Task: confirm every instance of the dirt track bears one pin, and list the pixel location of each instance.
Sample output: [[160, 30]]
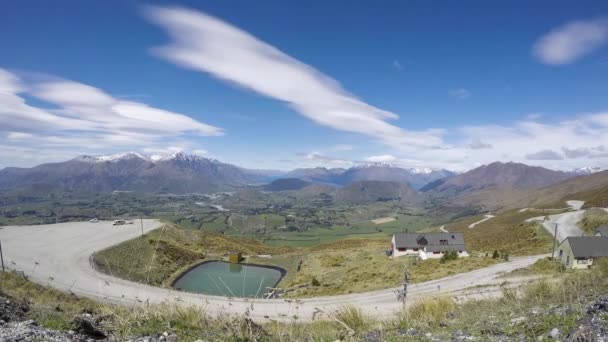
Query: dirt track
[[58, 255]]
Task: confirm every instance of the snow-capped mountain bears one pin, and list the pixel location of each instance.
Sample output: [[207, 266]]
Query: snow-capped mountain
[[134, 155], [175, 173], [587, 170]]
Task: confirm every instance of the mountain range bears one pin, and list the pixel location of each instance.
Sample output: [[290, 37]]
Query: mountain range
[[494, 185], [177, 173], [415, 177]]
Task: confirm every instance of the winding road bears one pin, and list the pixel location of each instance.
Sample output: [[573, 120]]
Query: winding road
[[567, 223], [58, 256]]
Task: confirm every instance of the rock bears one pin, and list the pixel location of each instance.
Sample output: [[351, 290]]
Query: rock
[[30, 331], [85, 325], [592, 328], [554, 333], [374, 336], [428, 335], [11, 310]]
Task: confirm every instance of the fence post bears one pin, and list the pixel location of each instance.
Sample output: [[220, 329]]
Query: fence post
[[1, 256]]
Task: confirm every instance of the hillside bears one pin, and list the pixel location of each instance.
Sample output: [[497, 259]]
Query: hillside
[[592, 188], [285, 184], [415, 177], [320, 175], [375, 191], [497, 175]]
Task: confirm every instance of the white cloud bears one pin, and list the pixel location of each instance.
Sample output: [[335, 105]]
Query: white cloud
[[571, 41], [204, 43], [316, 158], [384, 158], [461, 93], [81, 118], [477, 144]]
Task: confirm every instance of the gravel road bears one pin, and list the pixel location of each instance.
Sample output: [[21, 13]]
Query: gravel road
[[567, 223], [58, 255]]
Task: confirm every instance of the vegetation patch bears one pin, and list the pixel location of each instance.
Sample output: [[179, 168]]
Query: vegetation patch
[[507, 232], [592, 219], [544, 266]]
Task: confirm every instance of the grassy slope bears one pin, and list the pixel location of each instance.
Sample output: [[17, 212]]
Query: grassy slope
[[162, 254], [344, 266], [506, 232], [592, 219], [591, 188]]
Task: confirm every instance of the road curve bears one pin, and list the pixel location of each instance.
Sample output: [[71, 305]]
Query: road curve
[[58, 256]]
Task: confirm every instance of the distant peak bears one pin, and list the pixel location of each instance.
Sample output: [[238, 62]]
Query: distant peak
[[375, 164], [110, 157], [179, 156], [585, 170]]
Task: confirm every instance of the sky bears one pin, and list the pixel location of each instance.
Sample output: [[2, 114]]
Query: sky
[[286, 84]]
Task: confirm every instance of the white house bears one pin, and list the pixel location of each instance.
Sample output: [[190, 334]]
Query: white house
[[580, 251], [428, 245]]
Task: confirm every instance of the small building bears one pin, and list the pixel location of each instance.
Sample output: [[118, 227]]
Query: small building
[[579, 251], [235, 257], [427, 245], [602, 231]]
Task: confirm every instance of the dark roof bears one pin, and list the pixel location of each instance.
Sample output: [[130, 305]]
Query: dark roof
[[433, 241], [588, 246], [603, 230]]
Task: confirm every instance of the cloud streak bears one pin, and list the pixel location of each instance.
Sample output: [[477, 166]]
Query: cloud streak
[[569, 42], [82, 117], [203, 43]]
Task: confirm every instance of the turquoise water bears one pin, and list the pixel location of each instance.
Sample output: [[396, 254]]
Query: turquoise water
[[225, 279]]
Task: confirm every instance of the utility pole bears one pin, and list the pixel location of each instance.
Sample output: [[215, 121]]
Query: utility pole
[[554, 242], [1, 256], [406, 281]]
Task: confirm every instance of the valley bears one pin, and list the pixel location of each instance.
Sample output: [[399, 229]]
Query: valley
[[329, 241]]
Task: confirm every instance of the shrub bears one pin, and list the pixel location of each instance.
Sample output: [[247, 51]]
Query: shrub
[[495, 255], [430, 310], [352, 317], [448, 256], [592, 219], [315, 281]]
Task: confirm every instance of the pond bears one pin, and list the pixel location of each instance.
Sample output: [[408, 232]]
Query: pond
[[221, 278]]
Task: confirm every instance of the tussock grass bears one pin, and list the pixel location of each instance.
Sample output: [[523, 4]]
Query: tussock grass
[[429, 311], [545, 266], [353, 318], [592, 219], [507, 232]]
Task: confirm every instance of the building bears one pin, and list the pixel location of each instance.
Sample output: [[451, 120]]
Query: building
[[429, 245], [579, 251], [602, 231]]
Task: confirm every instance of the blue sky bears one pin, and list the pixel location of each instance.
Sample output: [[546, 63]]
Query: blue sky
[[281, 84]]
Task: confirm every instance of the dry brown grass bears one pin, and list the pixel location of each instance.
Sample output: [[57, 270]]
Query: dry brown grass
[[506, 232], [593, 218]]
